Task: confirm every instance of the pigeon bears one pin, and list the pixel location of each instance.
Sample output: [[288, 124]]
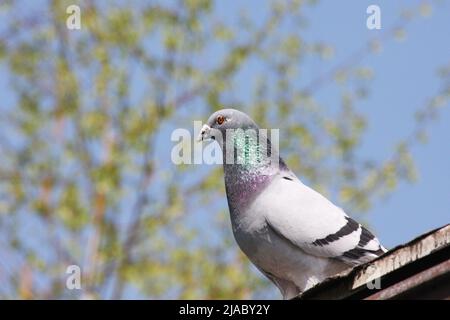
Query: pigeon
[[294, 235]]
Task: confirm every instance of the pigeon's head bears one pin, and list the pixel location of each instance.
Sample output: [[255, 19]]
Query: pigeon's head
[[225, 119]]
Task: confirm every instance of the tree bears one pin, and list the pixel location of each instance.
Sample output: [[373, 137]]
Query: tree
[[85, 139]]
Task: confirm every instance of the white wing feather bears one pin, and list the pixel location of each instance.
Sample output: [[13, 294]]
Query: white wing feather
[[303, 216]]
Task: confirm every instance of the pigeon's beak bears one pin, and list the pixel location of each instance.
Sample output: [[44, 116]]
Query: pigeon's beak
[[204, 133]]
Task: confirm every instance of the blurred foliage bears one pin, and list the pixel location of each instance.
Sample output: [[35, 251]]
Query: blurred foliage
[[83, 181]]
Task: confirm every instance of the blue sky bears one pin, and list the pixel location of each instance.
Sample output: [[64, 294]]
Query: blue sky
[[405, 77]]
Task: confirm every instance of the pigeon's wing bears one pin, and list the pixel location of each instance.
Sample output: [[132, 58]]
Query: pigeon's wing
[[309, 221]]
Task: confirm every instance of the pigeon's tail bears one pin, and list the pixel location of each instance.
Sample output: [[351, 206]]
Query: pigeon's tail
[[368, 248]]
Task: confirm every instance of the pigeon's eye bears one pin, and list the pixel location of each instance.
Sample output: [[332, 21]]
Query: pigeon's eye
[[220, 119]]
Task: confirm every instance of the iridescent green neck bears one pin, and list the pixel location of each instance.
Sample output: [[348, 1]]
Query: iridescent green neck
[[244, 149], [250, 166]]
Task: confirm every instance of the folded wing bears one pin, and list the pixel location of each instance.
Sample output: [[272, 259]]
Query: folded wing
[[311, 222]]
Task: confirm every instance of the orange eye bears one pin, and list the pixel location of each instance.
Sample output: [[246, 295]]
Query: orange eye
[[220, 119]]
